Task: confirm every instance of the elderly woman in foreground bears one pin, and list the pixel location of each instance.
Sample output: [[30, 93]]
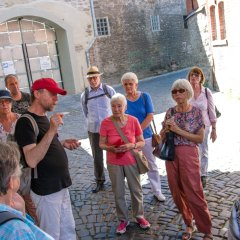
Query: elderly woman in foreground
[[183, 173], [10, 202], [121, 163], [139, 105]]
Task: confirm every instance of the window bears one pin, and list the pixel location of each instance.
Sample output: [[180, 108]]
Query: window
[[213, 23], [217, 19], [221, 20], [102, 26], [191, 5], [155, 23]]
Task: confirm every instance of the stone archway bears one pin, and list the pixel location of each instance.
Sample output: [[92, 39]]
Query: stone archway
[[64, 39]]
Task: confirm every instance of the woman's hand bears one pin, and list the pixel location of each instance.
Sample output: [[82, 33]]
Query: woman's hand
[[213, 134], [125, 147], [172, 125]]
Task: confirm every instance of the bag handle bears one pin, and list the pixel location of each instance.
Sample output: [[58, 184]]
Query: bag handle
[[122, 135], [154, 129]]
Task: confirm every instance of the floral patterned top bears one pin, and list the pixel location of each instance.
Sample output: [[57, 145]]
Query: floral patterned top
[[191, 121], [8, 136]]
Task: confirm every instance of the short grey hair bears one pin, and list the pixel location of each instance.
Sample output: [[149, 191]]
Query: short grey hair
[[9, 164], [128, 76], [185, 84], [119, 97]]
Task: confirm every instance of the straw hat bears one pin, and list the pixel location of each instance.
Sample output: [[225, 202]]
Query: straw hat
[[93, 72]]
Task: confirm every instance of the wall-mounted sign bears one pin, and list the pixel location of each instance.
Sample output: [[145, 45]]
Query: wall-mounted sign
[[45, 63], [8, 67]]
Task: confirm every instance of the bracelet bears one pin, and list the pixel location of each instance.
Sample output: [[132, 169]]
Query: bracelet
[[135, 146], [213, 128]]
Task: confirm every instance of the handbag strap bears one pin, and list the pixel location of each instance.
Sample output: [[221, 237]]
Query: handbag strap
[[122, 135], [124, 138], [154, 129]]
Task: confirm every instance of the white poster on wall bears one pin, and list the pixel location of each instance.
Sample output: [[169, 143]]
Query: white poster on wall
[[8, 67], [45, 63]]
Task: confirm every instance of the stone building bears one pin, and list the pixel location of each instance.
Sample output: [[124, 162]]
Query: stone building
[[223, 16], [147, 37], [215, 20], [60, 39]]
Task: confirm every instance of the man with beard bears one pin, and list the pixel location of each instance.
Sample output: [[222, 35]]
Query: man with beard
[[45, 153]]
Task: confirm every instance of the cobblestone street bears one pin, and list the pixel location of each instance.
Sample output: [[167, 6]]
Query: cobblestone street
[[95, 213]]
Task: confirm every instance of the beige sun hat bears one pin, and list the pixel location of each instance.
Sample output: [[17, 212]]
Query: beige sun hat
[[93, 72]]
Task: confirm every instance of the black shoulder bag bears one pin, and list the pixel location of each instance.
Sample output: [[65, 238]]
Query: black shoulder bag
[[168, 149]]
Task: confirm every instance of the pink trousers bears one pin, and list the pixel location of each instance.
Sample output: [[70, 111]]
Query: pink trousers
[[186, 188]]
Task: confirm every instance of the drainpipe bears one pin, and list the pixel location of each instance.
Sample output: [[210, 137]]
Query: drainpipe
[[94, 30]]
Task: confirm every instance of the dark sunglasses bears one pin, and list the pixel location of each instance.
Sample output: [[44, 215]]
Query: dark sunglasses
[[181, 90], [194, 75]]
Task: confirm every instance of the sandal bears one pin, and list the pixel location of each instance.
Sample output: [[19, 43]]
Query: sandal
[[208, 237], [187, 234]]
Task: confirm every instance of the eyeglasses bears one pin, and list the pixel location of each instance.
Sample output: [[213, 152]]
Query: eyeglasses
[[181, 90], [2, 101], [194, 75]]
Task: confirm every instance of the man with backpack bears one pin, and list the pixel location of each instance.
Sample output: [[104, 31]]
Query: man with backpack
[[45, 153], [95, 102]]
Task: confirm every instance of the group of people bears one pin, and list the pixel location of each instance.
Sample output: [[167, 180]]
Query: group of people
[[192, 119], [108, 113], [45, 153]]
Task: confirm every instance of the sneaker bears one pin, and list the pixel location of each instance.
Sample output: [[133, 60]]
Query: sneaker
[[122, 227], [143, 223], [160, 197]]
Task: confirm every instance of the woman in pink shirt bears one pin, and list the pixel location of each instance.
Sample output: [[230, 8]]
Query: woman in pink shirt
[[206, 105], [121, 163]]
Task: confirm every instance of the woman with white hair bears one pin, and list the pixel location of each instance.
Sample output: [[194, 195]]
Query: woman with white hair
[[121, 163], [139, 105], [183, 173]]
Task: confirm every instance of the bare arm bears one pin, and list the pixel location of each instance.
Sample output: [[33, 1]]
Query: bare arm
[[146, 122], [213, 134]]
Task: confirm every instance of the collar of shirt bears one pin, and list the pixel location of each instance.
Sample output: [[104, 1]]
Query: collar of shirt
[[92, 90]]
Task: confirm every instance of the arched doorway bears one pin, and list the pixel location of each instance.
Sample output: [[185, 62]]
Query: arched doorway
[[29, 49]]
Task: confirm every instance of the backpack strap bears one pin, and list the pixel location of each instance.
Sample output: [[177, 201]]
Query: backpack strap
[[105, 90], [33, 122], [154, 129], [36, 131], [86, 95], [6, 216]]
